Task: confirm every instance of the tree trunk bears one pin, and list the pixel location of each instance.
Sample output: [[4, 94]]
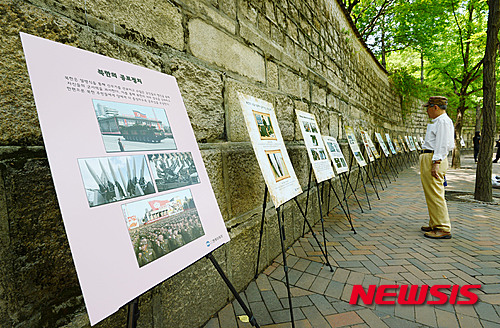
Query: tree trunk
[[455, 157], [479, 114], [483, 190]]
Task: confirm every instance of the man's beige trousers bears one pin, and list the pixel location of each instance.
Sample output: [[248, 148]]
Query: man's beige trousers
[[434, 193]]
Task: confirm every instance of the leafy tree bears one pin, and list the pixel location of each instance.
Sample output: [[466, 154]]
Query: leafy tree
[[483, 189]]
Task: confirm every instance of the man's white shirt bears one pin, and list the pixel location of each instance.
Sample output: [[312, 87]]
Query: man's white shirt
[[440, 137]]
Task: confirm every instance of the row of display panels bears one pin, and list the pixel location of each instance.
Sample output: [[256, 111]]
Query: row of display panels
[[129, 175]]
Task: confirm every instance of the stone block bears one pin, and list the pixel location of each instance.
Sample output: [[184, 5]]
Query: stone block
[[201, 91], [335, 124], [285, 112], [302, 106], [39, 282], [236, 126], [293, 84], [189, 298], [214, 46], [153, 20], [272, 75], [244, 182], [223, 17], [213, 163], [242, 251], [18, 120]]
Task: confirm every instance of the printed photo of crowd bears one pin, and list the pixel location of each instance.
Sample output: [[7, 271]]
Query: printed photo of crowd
[[168, 223], [173, 170]]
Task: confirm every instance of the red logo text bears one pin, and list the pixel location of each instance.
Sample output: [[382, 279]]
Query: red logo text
[[414, 294]]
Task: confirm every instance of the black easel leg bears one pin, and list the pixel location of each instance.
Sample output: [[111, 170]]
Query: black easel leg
[[285, 267], [307, 199], [133, 313], [322, 220], [360, 173], [348, 183], [325, 254], [348, 213], [261, 231], [249, 313], [371, 182]]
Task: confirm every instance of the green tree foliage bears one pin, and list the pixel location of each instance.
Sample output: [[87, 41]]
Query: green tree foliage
[[440, 41]]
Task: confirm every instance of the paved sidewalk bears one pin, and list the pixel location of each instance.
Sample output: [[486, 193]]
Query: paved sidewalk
[[389, 248]]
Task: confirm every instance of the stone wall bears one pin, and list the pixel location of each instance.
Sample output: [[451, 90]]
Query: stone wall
[[296, 54]]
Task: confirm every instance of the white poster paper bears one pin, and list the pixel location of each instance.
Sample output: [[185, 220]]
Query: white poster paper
[[270, 149], [411, 145], [382, 144], [321, 164], [371, 156], [389, 143], [336, 155], [367, 140], [403, 145], [105, 124], [353, 143], [396, 145], [417, 143]]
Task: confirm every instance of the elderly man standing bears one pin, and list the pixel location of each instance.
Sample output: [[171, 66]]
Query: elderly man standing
[[439, 140]]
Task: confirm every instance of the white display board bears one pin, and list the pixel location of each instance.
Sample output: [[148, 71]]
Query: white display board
[[321, 164], [336, 155], [133, 191], [396, 145], [353, 143], [367, 141], [270, 149], [417, 143], [371, 156], [411, 144], [382, 144], [389, 143]]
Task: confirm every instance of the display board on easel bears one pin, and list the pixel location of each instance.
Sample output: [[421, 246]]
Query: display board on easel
[[311, 134], [132, 187], [389, 143], [336, 154], [382, 144], [270, 149], [353, 144]]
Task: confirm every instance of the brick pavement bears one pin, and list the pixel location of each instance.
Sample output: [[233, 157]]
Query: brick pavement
[[389, 248]]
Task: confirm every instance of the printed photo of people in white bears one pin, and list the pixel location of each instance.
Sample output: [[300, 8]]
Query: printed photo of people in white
[[173, 170], [160, 225], [277, 163], [128, 127], [111, 179]]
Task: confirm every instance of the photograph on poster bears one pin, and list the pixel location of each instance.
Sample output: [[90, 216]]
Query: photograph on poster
[[389, 143], [336, 154], [411, 144], [339, 162], [403, 144], [382, 144], [417, 144], [264, 126], [112, 179], [396, 145], [314, 140], [278, 165], [359, 157], [318, 154], [160, 225], [173, 170], [128, 127]]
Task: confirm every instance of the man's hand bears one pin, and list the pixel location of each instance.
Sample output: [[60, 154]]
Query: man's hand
[[434, 170]]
